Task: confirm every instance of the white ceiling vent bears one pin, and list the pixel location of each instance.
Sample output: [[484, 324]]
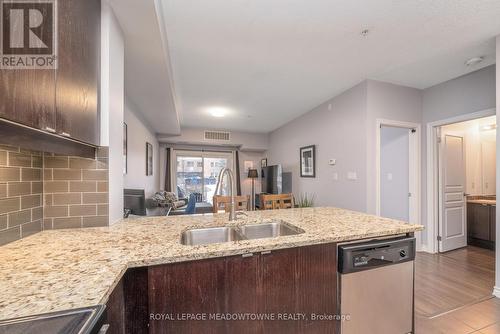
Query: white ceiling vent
[[217, 135]]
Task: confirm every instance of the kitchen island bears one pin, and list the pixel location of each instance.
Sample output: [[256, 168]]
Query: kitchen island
[[65, 269]]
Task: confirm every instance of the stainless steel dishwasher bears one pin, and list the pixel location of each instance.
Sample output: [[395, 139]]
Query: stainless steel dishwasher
[[376, 286]]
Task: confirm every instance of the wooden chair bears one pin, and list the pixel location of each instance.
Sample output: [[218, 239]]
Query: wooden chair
[[224, 202], [273, 202]]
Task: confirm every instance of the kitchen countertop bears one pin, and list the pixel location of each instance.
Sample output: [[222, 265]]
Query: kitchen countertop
[[63, 269], [482, 201]]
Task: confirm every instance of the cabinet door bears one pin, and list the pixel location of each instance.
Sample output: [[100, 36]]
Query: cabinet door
[[77, 85], [302, 281], [27, 97], [493, 222], [471, 213], [208, 287], [480, 229]]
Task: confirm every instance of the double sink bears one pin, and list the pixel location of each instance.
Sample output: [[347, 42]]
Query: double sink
[[212, 235]]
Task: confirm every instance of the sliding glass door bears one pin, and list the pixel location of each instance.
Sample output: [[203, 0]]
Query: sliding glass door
[[197, 172]]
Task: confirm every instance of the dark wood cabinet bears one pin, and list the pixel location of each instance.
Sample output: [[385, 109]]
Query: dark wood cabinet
[[300, 281], [63, 100], [77, 79], [127, 306], [481, 225], [275, 285], [28, 97]]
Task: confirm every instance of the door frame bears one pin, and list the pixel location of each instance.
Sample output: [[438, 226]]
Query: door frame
[[415, 172], [433, 173]]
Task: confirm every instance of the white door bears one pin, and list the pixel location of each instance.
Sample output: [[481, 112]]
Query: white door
[[452, 224], [395, 173]]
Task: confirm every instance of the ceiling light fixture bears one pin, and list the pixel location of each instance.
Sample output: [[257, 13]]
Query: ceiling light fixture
[[218, 111], [474, 61]]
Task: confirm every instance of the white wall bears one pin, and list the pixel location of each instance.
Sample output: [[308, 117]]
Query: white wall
[[394, 173], [461, 96], [347, 133], [246, 183], [244, 140], [338, 129], [496, 290], [390, 102], [112, 100], [138, 134]]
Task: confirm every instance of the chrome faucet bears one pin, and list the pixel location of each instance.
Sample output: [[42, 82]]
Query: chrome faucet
[[232, 213]]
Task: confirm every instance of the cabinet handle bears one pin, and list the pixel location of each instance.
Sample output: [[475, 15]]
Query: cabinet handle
[[247, 255], [49, 129], [65, 134], [265, 252], [104, 329]]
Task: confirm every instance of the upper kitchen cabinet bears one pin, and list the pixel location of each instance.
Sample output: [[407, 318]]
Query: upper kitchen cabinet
[[28, 97], [62, 100], [78, 73], [27, 93]]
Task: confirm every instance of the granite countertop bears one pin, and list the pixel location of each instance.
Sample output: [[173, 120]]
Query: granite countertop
[[482, 201], [64, 269]]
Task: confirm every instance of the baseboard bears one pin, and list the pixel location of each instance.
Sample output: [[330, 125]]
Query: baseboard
[[424, 248], [496, 291]]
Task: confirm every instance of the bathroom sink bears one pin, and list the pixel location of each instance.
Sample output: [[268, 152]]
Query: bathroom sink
[[210, 235], [272, 229]]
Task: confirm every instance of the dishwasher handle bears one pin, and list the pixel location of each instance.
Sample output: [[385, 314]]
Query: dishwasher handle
[[373, 254]]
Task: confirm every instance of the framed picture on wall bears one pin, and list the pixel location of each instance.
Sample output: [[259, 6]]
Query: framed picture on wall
[[263, 163], [149, 159], [125, 147], [308, 161]]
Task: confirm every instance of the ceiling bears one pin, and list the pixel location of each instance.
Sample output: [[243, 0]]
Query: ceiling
[[268, 62], [474, 124]]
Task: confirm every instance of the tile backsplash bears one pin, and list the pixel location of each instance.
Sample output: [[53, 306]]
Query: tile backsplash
[[21, 187], [75, 191], [47, 191]]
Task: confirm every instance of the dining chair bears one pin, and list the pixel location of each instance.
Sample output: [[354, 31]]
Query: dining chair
[[273, 202], [224, 203]]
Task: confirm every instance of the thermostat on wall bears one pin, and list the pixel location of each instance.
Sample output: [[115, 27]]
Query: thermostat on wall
[[332, 162]]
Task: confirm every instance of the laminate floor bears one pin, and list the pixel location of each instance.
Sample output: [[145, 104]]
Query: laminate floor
[[453, 292]]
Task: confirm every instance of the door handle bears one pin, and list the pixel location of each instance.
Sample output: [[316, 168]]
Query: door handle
[[65, 134], [49, 129]]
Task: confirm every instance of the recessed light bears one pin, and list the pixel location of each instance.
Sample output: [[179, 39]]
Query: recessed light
[[217, 111], [474, 61]]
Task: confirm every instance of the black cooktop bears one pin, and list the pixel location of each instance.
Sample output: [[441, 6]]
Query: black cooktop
[[77, 321]]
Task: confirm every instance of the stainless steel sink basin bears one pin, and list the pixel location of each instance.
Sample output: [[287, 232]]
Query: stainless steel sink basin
[[211, 235], [269, 230]]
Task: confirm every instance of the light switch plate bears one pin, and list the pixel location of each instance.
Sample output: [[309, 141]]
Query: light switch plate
[[389, 176], [352, 176], [332, 162], [335, 176]]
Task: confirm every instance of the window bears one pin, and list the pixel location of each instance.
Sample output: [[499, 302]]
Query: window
[[197, 172]]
